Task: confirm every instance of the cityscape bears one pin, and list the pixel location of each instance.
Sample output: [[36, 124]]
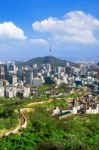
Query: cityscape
[[49, 75]]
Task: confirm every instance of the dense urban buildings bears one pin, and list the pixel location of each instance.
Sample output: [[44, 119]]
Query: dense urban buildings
[[19, 81]]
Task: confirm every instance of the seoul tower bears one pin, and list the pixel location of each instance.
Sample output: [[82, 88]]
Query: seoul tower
[[50, 51]]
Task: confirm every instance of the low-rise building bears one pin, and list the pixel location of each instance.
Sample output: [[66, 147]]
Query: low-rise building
[[10, 92], [23, 92], [37, 82]]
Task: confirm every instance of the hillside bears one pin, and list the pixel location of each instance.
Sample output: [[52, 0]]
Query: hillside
[[48, 59]]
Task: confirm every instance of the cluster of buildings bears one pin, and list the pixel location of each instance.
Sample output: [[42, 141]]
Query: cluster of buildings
[[18, 81], [85, 105]]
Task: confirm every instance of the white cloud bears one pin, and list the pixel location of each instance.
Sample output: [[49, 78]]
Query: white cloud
[[74, 27], [11, 31], [39, 42]]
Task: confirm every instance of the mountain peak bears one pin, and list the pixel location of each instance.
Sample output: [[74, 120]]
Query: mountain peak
[[54, 61]]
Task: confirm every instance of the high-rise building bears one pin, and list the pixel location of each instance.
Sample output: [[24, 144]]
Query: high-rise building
[[14, 79], [2, 74], [20, 74], [83, 70], [29, 76]]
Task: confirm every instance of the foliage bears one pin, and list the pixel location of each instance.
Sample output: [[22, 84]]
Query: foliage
[[45, 132], [8, 116], [55, 62]]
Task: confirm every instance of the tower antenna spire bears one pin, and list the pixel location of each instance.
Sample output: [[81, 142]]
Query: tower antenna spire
[[50, 50]]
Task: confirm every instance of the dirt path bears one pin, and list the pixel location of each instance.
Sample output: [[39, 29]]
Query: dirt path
[[22, 121], [22, 118], [38, 103]]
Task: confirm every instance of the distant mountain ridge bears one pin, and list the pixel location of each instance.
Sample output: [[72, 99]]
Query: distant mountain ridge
[[54, 61]]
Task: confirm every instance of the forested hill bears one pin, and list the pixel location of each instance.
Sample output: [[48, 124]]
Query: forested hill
[[54, 61]]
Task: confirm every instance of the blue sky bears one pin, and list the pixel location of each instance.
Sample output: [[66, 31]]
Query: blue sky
[[29, 27]]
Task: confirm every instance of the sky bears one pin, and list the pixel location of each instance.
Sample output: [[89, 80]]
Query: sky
[[29, 28]]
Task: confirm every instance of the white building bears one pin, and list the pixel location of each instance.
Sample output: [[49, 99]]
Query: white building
[[14, 79], [1, 91], [23, 92], [93, 111], [10, 92], [65, 79], [56, 111], [26, 92]]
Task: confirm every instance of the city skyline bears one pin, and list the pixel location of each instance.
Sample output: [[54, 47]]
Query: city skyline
[[28, 29]]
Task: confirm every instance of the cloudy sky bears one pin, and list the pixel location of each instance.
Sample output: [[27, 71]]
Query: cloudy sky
[[29, 28]]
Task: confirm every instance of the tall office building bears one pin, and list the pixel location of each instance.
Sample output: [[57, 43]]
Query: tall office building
[[29, 76], [20, 74], [12, 79], [10, 68]]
